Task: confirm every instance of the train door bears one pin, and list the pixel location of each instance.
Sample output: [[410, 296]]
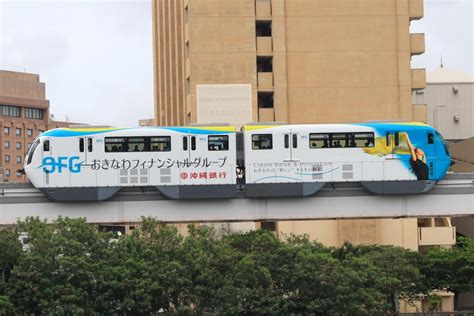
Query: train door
[[394, 169], [188, 169], [54, 167], [430, 154], [218, 159], [289, 171], [80, 164], [290, 147]]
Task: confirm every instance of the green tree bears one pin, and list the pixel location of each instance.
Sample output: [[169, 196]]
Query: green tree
[[10, 252], [56, 274], [450, 269]]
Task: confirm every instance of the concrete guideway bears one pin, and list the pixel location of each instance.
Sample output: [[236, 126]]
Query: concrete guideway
[[454, 196]]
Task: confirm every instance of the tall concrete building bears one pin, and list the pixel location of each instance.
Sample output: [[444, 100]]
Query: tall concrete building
[[297, 61], [305, 61], [24, 114]]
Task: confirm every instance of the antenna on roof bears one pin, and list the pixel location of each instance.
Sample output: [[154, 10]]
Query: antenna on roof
[[441, 62]]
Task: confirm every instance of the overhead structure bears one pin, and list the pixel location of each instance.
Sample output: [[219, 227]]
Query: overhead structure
[[453, 196]]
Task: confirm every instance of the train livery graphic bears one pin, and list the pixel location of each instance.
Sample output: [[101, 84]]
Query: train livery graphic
[[90, 164]]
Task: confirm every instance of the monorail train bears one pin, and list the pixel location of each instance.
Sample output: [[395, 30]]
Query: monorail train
[[91, 164]]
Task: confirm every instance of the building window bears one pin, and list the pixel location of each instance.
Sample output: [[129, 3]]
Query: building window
[[41, 131], [29, 132], [18, 174], [6, 144], [262, 141], [34, 113], [10, 110], [264, 64], [265, 100], [263, 28], [188, 86], [18, 131], [7, 158], [18, 159], [18, 145], [7, 173], [218, 142], [186, 14], [28, 146], [271, 226], [6, 131], [186, 50]]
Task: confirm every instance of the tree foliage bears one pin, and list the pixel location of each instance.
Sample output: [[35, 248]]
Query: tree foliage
[[68, 267]]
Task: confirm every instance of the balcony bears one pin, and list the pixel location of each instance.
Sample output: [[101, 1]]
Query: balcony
[[419, 112], [264, 45], [265, 81], [418, 79], [432, 236], [417, 43], [263, 9], [266, 115], [415, 9]]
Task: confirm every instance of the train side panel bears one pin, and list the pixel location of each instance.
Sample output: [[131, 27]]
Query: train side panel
[[79, 159], [377, 155]]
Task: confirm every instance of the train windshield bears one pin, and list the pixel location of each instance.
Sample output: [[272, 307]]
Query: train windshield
[[32, 150], [445, 143]]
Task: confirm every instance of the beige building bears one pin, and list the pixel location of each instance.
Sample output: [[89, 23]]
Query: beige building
[[24, 113], [307, 61]]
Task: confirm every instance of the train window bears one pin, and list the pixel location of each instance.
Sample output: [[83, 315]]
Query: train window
[[81, 145], [32, 150], [287, 141], [89, 144], [341, 140], [193, 142], [397, 138], [364, 139], [337, 140], [136, 144], [262, 141], [160, 143], [430, 138], [295, 140], [217, 142], [185, 143], [388, 139], [114, 144], [318, 141], [46, 145]]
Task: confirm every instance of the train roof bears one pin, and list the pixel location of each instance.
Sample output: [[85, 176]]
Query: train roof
[[343, 127]]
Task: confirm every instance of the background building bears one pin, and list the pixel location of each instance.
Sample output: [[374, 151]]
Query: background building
[[449, 97], [24, 113], [307, 61]]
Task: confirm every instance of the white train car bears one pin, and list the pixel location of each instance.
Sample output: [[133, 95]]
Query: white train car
[[79, 164], [297, 160], [84, 164]]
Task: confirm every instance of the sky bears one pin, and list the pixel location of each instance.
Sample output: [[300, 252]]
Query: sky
[[96, 58]]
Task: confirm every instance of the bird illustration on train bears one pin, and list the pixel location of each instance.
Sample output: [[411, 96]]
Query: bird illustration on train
[[205, 162]]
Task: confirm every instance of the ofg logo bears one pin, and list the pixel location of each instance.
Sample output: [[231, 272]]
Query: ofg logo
[[51, 165]]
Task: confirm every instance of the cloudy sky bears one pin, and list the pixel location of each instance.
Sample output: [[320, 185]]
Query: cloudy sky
[[95, 56]]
